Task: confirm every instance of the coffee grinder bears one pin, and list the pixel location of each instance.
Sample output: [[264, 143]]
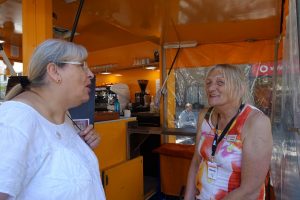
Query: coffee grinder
[[142, 99]]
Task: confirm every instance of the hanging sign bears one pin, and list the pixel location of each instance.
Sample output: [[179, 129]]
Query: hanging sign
[[265, 69]]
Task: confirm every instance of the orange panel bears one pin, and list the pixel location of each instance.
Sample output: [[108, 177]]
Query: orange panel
[[43, 15], [175, 160], [125, 181], [37, 26], [105, 24], [112, 149], [232, 31], [174, 173], [123, 56], [232, 53]]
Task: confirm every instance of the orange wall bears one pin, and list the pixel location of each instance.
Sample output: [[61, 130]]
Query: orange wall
[[37, 26], [130, 78], [123, 56], [231, 53], [6, 48]]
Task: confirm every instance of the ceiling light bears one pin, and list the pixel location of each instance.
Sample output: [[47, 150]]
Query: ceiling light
[[102, 69], [105, 72], [2, 41], [118, 75], [150, 67]]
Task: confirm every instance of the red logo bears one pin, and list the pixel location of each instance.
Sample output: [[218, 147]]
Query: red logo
[[265, 69]]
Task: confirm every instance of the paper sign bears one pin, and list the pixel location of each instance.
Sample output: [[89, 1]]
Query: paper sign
[[81, 123]]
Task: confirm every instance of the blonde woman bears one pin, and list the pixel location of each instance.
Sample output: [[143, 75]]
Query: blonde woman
[[233, 144], [43, 156]]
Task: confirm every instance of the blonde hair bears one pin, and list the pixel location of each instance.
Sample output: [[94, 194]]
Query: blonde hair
[[50, 51], [236, 82]]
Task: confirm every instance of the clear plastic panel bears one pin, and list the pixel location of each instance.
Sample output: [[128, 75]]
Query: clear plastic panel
[[189, 89], [286, 150]]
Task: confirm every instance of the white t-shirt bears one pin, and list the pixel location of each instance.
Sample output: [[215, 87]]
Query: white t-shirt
[[40, 160]]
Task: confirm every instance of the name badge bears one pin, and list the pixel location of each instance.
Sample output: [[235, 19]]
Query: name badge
[[212, 170], [231, 138]]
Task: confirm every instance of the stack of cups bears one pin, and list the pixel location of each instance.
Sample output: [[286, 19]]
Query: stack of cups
[[127, 113]]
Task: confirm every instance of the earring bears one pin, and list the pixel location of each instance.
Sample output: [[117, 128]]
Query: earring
[[58, 81]]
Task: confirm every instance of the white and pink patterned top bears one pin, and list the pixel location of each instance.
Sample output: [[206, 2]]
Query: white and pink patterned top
[[228, 158]]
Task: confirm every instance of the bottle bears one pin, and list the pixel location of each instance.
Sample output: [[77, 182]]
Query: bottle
[[117, 105], [129, 106], [152, 105]]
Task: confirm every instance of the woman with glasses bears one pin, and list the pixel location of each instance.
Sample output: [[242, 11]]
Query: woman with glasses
[[233, 144], [43, 156]]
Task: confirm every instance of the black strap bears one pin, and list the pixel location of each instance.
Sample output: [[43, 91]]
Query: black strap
[[74, 123], [207, 114], [217, 139]]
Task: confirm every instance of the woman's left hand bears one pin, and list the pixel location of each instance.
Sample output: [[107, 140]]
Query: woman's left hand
[[90, 136]]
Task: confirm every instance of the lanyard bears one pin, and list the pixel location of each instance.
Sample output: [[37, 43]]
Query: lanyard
[[217, 139]]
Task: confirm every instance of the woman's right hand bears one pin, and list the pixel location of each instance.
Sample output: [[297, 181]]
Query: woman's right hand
[[90, 136]]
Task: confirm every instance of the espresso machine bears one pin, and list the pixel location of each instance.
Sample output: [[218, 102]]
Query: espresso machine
[[104, 98], [142, 99]]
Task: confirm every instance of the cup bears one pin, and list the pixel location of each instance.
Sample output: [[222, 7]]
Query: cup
[[127, 113]]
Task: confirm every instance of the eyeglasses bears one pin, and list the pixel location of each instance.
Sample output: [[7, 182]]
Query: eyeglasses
[[83, 64]]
